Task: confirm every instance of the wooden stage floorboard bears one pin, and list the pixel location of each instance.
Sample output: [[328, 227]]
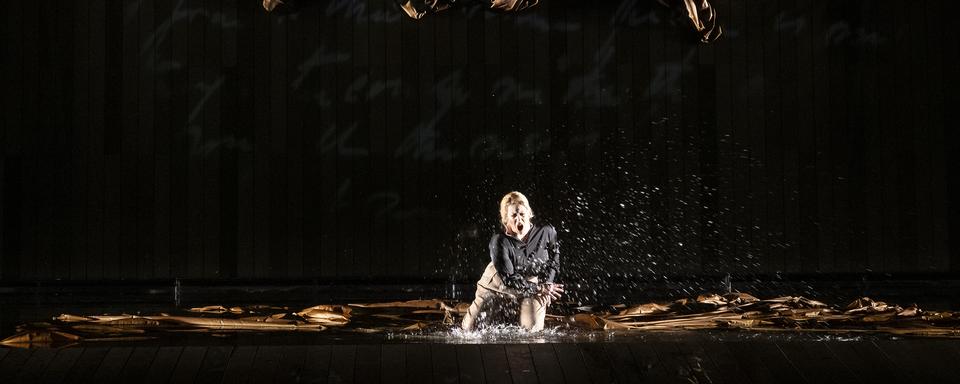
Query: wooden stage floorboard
[[689, 358]]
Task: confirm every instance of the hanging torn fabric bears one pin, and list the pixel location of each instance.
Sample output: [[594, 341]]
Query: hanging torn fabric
[[417, 9], [703, 18], [701, 14]]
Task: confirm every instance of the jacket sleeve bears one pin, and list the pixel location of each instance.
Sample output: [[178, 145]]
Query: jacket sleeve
[[553, 255], [501, 260]]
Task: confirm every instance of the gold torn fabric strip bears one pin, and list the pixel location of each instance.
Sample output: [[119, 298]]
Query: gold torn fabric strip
[[704, 19], [417, 9], [740, 311]]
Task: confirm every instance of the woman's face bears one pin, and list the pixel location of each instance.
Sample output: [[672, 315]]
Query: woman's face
[[518, 220]]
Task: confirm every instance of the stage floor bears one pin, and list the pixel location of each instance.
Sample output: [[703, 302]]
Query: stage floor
[[686, 356], [656, 357]]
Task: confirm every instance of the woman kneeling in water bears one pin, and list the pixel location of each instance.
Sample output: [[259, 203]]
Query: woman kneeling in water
[[524, 260]]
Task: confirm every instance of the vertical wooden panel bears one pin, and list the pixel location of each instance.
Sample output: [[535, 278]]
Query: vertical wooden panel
[[773, 134], [907, 131], [888, 127], [146, 190], [872, 182], [293, 211], [330, 240], [759, 212], [81, 143], [161, 38], [936, 34], [277, 157], [10, 180], [180, 213], [246, 59], [675, 178], [424, 181], [261, 138], [449, 85], [642, 126], [358, 150], [95, 209], [29, 258], [692, 150], [823, 101], [923, 89], [727, 245], [386, 206], [806, 17], [658, 76], [308, 81], [379, 124], [475, 141], [231, 142], [840, 143], [211, 141], [950, 136], [343, 125], [193, 140], [792, 122], [45, 146], [127, 163], [112, 81], [407, 145], [278, 161], [746, 253]]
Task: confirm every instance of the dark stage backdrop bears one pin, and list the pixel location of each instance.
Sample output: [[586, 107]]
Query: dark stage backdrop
[[339, 140]]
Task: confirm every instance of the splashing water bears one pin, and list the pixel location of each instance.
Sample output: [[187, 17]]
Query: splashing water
[[501, 334]]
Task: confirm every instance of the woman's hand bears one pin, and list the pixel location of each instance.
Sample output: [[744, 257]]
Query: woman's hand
[[548, 292]]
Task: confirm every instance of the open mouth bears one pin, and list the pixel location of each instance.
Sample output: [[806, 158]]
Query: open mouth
[[520, 227]]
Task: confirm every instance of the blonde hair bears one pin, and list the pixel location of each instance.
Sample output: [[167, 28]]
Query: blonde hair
[[513, 198]]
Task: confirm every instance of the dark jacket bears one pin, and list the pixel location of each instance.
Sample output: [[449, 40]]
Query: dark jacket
[[517, 260]]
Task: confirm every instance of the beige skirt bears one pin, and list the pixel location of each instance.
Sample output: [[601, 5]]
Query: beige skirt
[[532, 311]]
